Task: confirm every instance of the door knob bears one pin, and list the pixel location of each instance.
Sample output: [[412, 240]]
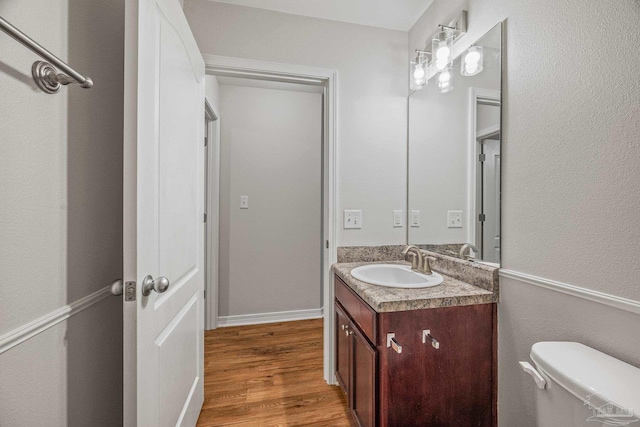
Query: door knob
[[159, 285], [117, 287]]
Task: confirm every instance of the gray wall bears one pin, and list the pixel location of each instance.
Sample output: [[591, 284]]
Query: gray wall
[[570, 175], [61, 216], [271, 151], [372, 76]]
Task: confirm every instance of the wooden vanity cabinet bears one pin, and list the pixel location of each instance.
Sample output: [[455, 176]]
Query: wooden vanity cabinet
[[452, 385]]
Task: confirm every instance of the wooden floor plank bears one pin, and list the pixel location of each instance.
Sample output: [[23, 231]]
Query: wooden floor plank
[[269, 375]]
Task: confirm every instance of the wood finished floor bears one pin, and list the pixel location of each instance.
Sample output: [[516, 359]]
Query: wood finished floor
[[269, 375]]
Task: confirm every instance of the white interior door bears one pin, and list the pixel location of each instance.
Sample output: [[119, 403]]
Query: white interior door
[[163, 217]]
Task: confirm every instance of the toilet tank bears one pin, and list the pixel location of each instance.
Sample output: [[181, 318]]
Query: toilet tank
[[581, 387]]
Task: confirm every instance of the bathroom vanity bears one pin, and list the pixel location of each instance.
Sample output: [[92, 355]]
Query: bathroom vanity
[[418, 357]]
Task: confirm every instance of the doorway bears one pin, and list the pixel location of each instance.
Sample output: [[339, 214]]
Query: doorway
[[488, 194], [484, 191], [326, 81]]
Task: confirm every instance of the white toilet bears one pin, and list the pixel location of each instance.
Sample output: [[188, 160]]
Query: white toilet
[[580, 387]]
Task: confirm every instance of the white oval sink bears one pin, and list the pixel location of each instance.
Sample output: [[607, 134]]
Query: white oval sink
[[395, 276]]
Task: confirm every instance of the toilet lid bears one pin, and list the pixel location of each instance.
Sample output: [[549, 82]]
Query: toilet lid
[[593, 377]]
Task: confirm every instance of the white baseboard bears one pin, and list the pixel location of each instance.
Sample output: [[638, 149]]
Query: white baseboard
[[584, 293], [260, 318], [33, 328]]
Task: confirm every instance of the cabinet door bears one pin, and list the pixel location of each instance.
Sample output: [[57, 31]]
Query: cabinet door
[[343, 351], [363, 380], [444, 387]]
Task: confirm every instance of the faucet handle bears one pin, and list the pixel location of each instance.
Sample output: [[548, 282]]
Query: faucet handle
[[426, 255], [428, 259]]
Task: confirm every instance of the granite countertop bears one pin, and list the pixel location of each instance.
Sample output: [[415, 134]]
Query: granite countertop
[[452, 292]]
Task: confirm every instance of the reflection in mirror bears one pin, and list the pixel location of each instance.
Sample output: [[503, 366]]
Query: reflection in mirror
[[454, 157]]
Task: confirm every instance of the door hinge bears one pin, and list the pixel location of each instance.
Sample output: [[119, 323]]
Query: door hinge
[[205, 217], [481, 217], [327, 244], [482, 157], [130, 291], [205, 294], [206, 141]]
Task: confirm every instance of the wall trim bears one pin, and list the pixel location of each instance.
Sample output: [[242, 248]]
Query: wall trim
[[621, 303], [260, 318], [41, 324]]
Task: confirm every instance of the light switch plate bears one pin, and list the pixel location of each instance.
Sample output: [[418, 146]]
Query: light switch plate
[[244, 202], [397, 218], [352, 219], [454, 219], [415, 218]]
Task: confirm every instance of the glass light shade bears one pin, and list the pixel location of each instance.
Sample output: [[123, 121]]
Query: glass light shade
[[472, 61], [418, 72], [442, 48], [444, 82]]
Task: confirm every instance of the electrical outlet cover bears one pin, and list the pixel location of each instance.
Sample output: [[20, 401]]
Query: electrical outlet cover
[[397, 218], [415, 218]]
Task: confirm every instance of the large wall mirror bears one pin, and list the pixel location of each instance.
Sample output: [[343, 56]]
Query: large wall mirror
[[454, 149]]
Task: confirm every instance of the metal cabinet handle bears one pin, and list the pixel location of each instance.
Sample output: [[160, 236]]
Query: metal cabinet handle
[[391, 342], [117, 287], [160, 285], [426, 336]]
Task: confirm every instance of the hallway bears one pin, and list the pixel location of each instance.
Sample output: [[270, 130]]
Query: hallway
[[269, 375]]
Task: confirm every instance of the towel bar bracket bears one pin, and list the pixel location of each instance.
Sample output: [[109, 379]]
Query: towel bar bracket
[[44, 73], [49, 80]]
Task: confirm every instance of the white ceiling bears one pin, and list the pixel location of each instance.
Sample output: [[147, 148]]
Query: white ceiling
[[391, 14]]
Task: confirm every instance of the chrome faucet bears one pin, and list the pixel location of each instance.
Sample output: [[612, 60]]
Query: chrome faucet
[[416, 256], [463, 251], [419, 259]]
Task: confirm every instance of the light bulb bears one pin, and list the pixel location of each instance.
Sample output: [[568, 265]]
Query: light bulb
[[443, 53], [418, 73], [444, 77], [471, 67], [472, 57], [472, 61], [445, 82]]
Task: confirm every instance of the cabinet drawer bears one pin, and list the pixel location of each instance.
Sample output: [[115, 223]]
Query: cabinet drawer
[[363, 315]]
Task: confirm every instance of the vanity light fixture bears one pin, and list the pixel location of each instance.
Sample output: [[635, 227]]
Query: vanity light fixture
[[471, 63], [445, 82], [421, 70], [419, 67]]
